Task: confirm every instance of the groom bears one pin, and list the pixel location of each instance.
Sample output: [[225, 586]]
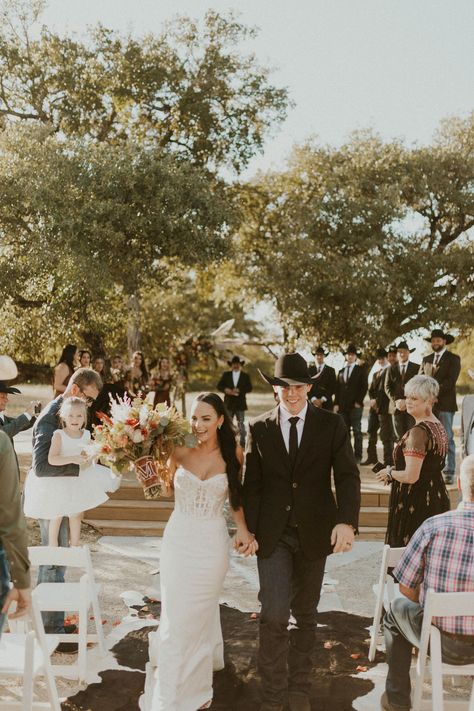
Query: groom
[[290, 507]]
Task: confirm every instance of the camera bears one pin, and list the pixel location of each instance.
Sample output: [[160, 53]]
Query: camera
[[378, 467], [37, 407]]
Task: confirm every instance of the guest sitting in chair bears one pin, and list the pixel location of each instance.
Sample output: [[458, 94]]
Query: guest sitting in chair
[[440, 556]]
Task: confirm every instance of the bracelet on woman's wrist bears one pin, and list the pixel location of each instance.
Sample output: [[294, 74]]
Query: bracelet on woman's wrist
[[389, 475]]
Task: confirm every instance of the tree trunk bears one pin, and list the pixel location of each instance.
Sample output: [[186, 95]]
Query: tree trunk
[[133, 330]]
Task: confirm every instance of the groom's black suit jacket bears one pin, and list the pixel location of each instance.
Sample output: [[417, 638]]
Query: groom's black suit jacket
[[271, 488]]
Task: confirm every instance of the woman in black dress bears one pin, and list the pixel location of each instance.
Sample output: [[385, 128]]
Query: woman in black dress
[[418, 488]]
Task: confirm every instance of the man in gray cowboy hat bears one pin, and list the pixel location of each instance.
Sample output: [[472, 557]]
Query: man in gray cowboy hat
[[235, 384], [14, 563], [444, 367], [350, 393], [297, 520], [322, 392], [397, 377]]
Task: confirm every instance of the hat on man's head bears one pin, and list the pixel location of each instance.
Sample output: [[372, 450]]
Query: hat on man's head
[[4, 388], [403, 345], [439, 333], [351, 349], [392, 348], [381, 353], [290, 369], [320, 351], [235, 359], [8, 369]]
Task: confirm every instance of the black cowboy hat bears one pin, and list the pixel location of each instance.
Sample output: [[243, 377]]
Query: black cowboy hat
[[320, 351], [290, 369], [392, 348], [4, 388], [439, 333], [404, 345], [351, 349], [235, 359], [381, 353]]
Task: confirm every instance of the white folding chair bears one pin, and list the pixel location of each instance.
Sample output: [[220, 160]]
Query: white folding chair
[[458, 604], [385, 591], [71, 597], [27, 655]]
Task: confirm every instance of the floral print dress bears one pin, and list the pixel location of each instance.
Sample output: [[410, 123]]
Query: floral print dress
[[411, 504]]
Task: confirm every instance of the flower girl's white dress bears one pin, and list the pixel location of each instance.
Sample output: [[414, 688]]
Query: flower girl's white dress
[[53, 496], [193, 563]]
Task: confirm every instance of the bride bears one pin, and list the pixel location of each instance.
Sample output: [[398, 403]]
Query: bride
[[195, 558]]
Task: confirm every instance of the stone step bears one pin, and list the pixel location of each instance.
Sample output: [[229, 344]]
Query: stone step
[[373, 516], [127, 527], [371, 533], [136, 510]]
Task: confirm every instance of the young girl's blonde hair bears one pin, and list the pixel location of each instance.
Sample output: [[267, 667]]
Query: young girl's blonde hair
[[67, 406]]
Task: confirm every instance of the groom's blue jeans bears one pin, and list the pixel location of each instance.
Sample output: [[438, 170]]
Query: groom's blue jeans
[[290, 584]]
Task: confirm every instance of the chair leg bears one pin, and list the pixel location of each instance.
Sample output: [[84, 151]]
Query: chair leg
[[375, 626], [82, 642], [98, 621], [436, 670], [28, 681]]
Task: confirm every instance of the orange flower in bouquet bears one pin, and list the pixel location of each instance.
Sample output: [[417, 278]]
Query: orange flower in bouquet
[[138, 436]]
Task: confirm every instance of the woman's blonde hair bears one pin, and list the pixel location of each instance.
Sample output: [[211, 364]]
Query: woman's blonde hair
[[423, 386], [67, 406]]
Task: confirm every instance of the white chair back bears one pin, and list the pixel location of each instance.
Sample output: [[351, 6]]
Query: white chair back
[[72, 557], [385, 591]]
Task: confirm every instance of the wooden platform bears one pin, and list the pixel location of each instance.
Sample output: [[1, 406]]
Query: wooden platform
[[127, 513]]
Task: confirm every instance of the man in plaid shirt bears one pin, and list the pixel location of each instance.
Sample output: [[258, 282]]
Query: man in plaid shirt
[[439, 556]]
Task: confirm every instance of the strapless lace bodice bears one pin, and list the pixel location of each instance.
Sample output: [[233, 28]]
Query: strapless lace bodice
[[197, 498]]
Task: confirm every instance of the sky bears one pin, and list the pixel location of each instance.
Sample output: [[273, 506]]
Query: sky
[[396, 66]]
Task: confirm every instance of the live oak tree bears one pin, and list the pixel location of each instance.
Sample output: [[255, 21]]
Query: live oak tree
[[365, 242]]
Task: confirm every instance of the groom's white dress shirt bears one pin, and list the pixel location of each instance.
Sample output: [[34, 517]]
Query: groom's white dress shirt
[[285, 424]]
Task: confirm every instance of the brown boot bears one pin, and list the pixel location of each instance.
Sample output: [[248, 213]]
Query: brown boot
[[298, 701]]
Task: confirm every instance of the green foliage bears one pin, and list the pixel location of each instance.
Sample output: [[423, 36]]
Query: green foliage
[[365, 242], [189, 90]]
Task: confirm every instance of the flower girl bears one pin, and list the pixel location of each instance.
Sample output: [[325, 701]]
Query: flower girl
[[57, 496]]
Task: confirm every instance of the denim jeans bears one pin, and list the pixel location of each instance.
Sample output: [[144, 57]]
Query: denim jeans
[[4, 584], [353, 420], [290, 588], [402, 632], [446, 419], [240, 417], [53, 621], [372, 430]]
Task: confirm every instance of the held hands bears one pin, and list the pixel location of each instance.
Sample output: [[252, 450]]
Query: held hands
[[383, 476], [342, 538], [245, 543]]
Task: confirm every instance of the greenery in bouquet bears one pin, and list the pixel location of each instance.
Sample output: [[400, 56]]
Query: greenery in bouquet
[[135, 429]]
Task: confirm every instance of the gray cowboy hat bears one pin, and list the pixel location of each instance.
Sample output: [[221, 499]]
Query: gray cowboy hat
[[290, 369]]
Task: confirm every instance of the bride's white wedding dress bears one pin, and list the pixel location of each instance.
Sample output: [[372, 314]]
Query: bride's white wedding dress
[[194, 560]]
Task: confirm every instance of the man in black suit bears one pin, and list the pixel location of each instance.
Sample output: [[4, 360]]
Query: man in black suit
[[290, 507], [324, 377], [13, 425], [235, 384], [350, 393], [395, 381], [444, 367], [387, 433], [374, 421]]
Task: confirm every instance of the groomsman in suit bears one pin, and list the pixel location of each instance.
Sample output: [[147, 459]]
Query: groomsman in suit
[[235, 384], [325, 381], [374, 411], [397, 377], [444, 367], [290, 507], [350, 393], [387, 434]]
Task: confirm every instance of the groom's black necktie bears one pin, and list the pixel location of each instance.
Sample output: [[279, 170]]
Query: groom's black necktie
[[293, 443]]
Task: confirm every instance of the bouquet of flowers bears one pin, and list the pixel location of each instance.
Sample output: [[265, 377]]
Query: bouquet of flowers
[[138, 436]]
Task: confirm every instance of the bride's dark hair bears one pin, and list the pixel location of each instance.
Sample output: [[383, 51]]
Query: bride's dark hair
[[226, 437]]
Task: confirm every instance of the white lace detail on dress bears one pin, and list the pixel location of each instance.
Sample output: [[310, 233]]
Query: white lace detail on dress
[[197, 498]]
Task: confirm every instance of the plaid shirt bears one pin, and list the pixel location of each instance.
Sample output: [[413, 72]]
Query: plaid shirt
[[440, 556]]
